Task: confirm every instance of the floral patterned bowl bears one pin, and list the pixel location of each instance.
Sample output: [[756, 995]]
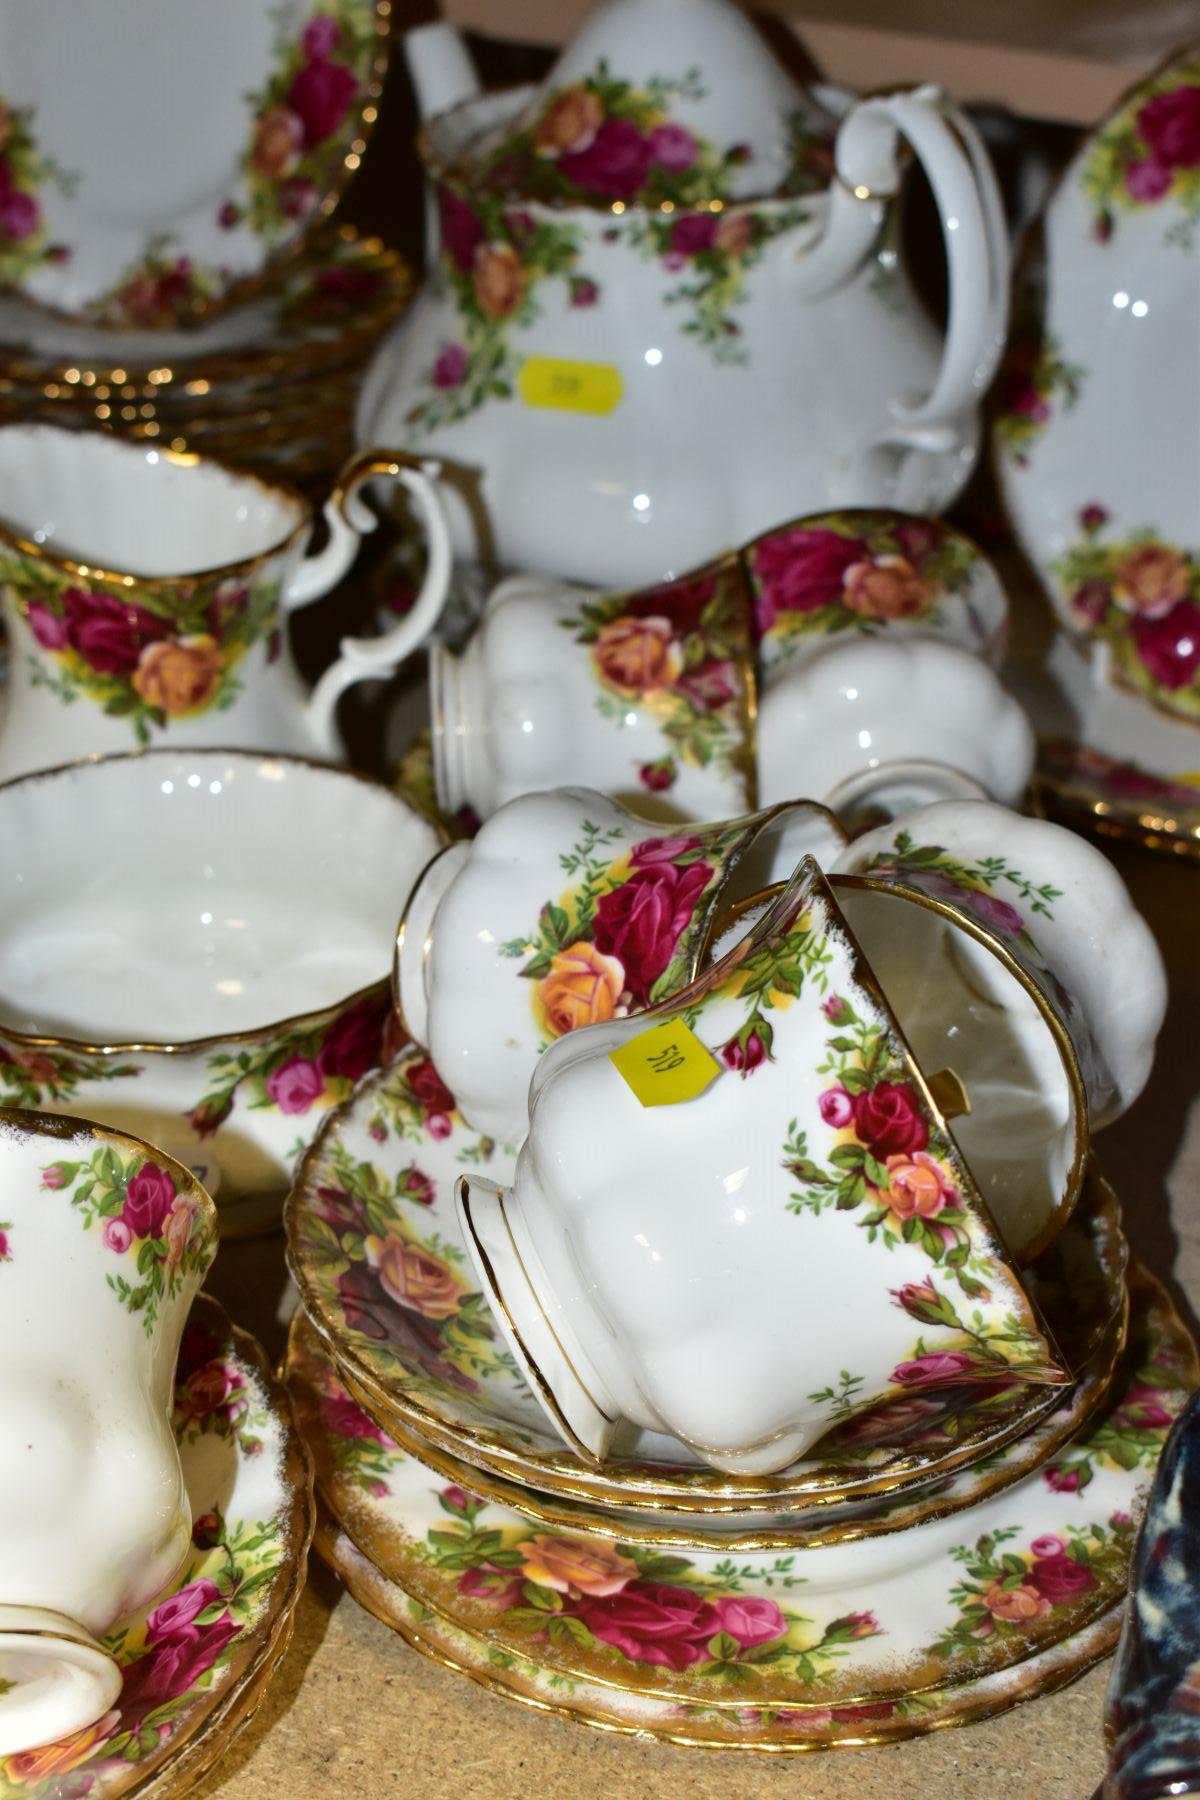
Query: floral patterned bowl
[[564, 911], [102, 1229], [195, 947], [651, 1257]]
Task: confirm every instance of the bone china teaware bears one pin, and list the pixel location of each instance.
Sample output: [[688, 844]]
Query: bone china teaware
[[565, 910], [146, 594], [195, 945], [644, 1264], [1104, 508], [667, 249], [104, 1244]]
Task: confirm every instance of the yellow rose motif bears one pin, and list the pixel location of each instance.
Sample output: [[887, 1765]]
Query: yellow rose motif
[[278, 138], [569, 123], [573, 1566], [180, 677], [582, 988], [414, 1278], [32, 1766], [638, 655], [498, 279], [1151, 580], [886, 587]]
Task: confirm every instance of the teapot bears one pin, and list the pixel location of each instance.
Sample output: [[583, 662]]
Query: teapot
[[667, 248]]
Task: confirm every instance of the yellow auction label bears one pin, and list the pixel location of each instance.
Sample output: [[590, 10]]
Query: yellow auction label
[[585, 387], [666, 1064]]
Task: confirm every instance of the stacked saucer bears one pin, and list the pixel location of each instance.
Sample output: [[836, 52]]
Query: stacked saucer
[[925, 1564], [269, 383]]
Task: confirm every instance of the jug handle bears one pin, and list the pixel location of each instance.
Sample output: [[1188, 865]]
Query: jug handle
[[965, 190], [348, 519]]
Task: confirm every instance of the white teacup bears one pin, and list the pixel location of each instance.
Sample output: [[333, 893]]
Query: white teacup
[[566, 910], [889, 722], [103, 1244], [146, 595], [194, 945], [788, 1240]]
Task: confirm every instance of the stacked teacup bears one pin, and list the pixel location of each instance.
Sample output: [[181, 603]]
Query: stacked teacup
[[715, 1323], [156, 1501]]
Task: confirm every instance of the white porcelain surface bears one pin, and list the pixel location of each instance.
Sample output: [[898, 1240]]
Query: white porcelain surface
[[1098, 443], [851, 707], [85, 1431], [230, 905], [190, 88], [146, 594], [650, 1262], [524, 707], [479, 918], [1060, 903], [818, 361]]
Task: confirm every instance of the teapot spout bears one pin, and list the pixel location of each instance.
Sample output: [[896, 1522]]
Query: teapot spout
[[441, 70]]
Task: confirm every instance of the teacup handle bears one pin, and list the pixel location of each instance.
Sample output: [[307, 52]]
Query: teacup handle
[[348, 519], [972, 216]]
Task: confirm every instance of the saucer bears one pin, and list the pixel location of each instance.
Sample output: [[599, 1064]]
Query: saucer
[[1090, 1260], [879, 1619], [762, 1730], [375, 1247], [196, 1662], [240, 125]]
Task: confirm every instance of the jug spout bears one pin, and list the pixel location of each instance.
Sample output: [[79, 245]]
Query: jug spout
[[441, 70]]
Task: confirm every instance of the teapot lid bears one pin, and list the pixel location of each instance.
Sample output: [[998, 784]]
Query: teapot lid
[[662, 103]]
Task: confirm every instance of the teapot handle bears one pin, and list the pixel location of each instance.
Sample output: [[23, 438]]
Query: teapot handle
[[348, 517], [964, 186]]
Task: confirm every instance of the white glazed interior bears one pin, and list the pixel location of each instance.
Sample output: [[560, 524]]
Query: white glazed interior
[[959, 1007], [181, 895], [130, 509]]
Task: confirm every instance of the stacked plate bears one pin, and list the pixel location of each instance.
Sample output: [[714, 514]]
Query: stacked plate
[[932, 1562], [269, 383], [197, 1661]]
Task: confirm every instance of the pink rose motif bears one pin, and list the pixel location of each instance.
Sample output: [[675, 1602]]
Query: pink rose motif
[[652, 1622], [693, 233], [1169, 647], [1049, 1545], [750, 1619], [801, 571], [641, 922], [108, 633], [1060, 1578], [321, 96], [709, 687], [1093, 517], [1015, 1606], [353, 1042], [937, 1366], [58, 1175], [117, 1235], [5, 1250], [297, 198], [20, 216], [296, 1084], [177, 1229], [1170, 127], [836, 1108], [1061, 1480], [456, 1498], [889, 1121], [319, 37], [851, 1626], [47, 627], [210, 1391], [462, 232], [658, 776], [439, 1125], [835, 1009], [584, 291], [171, 1667], [175, 1616], [1091, 601], [346, 1420], [614, 164], [672, 147], [413, 1185], [1142, 1410], [450, 369], [996, 913], [1022, 398], [500, 1587], [1148, 180], [744, 1057], [149, 1197]]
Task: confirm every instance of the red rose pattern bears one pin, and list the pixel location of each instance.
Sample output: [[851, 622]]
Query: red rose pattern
[[889, 1121], [801, 571], [641, 922]]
